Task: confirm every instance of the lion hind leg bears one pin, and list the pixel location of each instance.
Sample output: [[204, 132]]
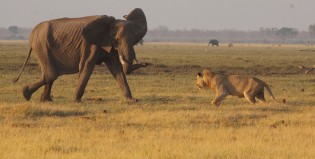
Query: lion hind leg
[[260, 96], [250, 98]]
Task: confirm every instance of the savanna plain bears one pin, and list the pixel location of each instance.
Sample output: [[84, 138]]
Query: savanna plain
[[172, 119]]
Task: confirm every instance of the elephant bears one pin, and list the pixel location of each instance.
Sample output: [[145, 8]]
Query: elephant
[[76, 45], [214, 42]]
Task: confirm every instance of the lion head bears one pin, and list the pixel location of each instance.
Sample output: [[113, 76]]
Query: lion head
[[202, 79], [199, 81]]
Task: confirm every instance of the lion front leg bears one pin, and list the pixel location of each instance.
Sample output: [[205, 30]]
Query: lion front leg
[[219, 97]]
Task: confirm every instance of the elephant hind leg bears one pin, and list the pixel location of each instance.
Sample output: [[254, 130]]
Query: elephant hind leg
[[28, 90], [46, 95], [49, 75]]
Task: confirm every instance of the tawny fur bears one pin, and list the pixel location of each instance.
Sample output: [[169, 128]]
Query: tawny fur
[[234, 85]]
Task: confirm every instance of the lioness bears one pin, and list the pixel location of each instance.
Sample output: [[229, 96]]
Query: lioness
[[235, 85]]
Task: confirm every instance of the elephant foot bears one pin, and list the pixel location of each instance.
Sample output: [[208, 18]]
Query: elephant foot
[[132, 100], [26, 93], [45, 99], [77, 100]]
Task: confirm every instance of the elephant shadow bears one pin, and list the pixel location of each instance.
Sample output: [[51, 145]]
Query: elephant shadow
[[39, 112]]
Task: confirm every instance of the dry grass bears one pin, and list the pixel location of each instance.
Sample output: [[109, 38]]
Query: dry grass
[[173, 119]]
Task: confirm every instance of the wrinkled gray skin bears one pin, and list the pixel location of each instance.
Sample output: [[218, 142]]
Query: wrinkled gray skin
[[214, 42], [76, 45]]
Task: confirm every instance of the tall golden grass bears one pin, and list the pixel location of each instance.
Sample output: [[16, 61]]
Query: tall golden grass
[[172, 119]]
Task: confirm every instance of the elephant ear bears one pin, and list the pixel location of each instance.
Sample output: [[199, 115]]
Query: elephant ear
[[98, 31], [138, 18]]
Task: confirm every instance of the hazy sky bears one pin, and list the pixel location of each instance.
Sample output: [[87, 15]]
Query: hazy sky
[[176, 14]]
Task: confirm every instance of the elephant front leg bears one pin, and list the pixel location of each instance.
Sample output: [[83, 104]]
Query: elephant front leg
[[83, 80], [116, 70], [85, 73]]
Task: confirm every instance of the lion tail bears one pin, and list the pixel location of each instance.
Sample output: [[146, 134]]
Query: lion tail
[[269, 91], [28, 57]]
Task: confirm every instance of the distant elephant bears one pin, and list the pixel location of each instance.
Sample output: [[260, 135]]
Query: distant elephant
[[76, 45], [214, 42]]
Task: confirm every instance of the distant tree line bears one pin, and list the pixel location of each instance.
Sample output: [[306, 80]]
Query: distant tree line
[[164, 34], [14, 33], [262, 35]]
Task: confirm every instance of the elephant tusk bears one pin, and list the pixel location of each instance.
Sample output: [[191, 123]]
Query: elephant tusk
[[122, 61]]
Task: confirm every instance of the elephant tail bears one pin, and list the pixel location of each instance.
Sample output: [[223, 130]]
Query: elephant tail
[[28, 57]]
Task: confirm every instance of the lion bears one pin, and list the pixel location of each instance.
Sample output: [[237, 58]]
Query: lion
[[234, 85]]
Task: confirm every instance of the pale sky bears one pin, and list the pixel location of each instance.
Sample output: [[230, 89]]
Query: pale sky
[[175, 14]]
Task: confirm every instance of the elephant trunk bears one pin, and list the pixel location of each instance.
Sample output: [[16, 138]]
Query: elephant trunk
[[127, 67], [126, 58]]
